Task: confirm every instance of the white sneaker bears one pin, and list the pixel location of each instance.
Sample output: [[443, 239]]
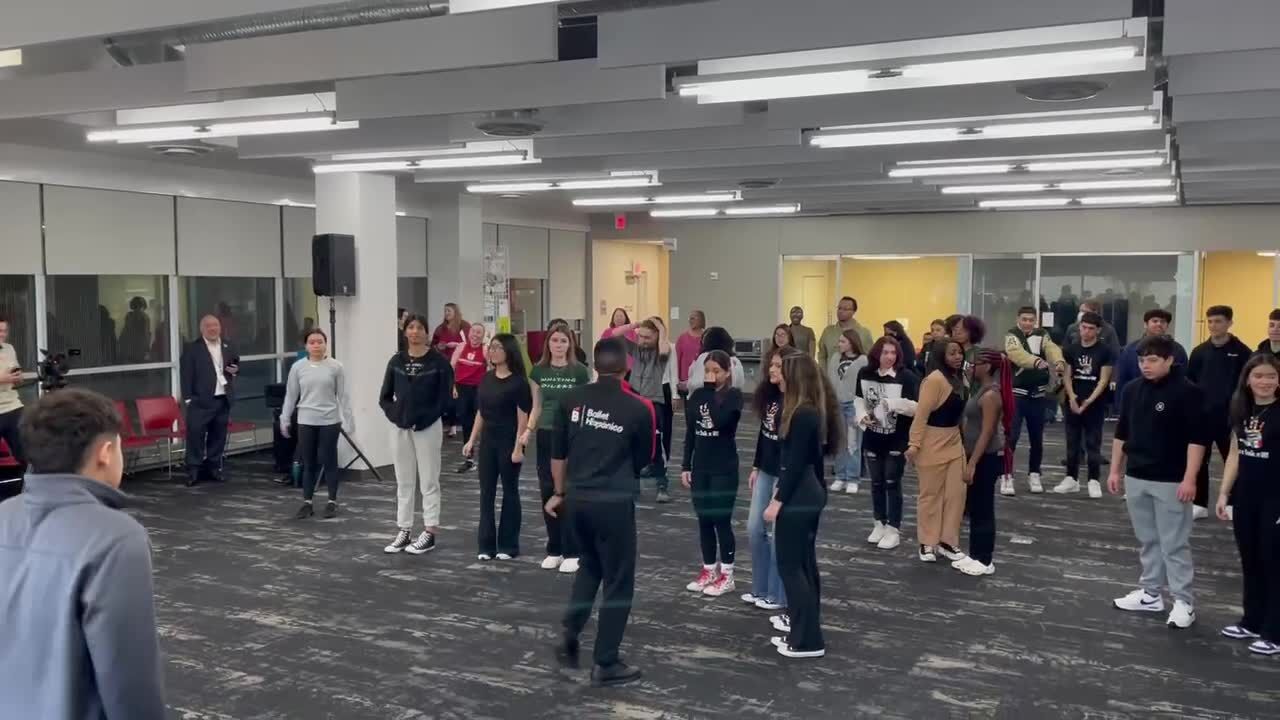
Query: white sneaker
[[707, 576], [927, 554], [1231, 512], [851, 488], [1033, 481], [1199, 513], [891, 538], [1006, 485], [1068, 485], [877, 533], [484, 557], [504, 556], [569, 566], [787, 651], [1095, 489], [722, 585], [949, 552], [749, 599], [767, 604], [837, 486], [969, 566], [1140, 601], [551, 562], [1182, 616], [781, 623]]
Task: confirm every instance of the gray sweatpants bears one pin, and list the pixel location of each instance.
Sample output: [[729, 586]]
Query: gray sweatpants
[[1162, 524], [417, 461]]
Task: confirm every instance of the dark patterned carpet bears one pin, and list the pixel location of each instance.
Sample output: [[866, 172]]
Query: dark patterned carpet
[[266, 617]]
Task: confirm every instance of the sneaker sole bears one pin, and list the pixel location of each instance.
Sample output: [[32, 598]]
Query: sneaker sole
[[787, 652], [1175, 626], [1265, 653], [392, 551], [616, 682], [1246, 636], [1143, 608], [411, 551]]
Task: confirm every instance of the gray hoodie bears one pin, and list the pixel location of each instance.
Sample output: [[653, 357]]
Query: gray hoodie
[[76, 605]]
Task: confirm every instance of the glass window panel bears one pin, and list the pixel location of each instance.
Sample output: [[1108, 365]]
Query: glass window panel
[[1126, 286], [1000, 286], [526, 306], [18, 307], [128, 385], [29, 393], [250, 405], [246, 307], [301, 311], [411, 294], [111, 319]]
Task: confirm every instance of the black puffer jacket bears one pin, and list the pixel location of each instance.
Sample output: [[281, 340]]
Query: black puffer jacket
[[415, 402]]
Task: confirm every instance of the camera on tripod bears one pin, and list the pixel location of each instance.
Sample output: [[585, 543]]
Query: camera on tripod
[[52, 370]]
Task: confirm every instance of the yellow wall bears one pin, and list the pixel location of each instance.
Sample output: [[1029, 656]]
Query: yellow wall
[[648, 295], [1242, 280], [914, 292], [818, 313]]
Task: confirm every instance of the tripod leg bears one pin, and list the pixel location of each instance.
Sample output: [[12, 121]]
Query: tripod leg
[[360, 454]]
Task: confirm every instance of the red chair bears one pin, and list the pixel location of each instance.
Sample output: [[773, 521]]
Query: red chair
[[161, 420], [129, 437], [7, 460]]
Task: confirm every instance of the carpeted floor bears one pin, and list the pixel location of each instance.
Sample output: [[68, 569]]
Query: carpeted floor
[[266, 617]]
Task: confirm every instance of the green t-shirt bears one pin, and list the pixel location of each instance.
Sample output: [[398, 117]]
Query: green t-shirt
[[553, 382]]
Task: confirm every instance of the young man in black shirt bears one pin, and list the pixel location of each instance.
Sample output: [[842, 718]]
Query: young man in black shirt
[[1161, 436], [1089, 365], [604, 436], [1215, 365], [1272, 343]]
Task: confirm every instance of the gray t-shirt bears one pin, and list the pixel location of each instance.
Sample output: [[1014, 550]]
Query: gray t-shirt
[[973, 424], [648, 372], [843, 373], [319, 392]]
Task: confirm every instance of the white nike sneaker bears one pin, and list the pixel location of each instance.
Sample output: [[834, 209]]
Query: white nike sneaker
[[1006, 486], [1068, 485], [1095, 489], [1033, 480], [1182, 616], [1140, 601], [891, 538]]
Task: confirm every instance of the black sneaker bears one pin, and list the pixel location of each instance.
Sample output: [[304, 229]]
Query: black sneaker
[[466, 466], [567, 654], [618, 673], [663, 497], [425, 543], [400, 542], [330, 509], [304, 512]]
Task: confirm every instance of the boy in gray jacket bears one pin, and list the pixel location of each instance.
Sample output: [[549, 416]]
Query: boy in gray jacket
[[78, 616]]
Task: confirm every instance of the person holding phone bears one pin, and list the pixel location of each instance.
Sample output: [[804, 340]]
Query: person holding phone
[[209, 366], [10, 409]]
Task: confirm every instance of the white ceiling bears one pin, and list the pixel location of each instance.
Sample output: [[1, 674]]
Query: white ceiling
[[1212, 76]]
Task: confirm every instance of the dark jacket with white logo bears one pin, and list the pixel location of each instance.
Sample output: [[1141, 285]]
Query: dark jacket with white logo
[[606, 434], [1217, 371], [711, 430], [1158, 420]]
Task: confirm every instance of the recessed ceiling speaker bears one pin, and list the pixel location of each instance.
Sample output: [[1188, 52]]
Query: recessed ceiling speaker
[[181, 150], [1061, 90], [758, 183], [510, 124]]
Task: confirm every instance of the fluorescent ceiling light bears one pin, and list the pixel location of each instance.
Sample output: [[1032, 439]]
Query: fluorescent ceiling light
[[839, 80], [984, 189], [631, 173], [426, 164], [883, 257], [1030, 158], [11, 58], [219, 129], [764, 210], [290, 203], [484, 147], [1025, 202], [511, 187], [608, 201], [323, 102], [1047, 166], [1115, 184], [466, 6], [1267, 253], [1128, 199], [1040, 187], [401, 213], [1123, 123], [705, 197], [685, 212]]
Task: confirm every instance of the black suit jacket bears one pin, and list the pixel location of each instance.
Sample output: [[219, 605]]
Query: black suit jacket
[[197, 371]]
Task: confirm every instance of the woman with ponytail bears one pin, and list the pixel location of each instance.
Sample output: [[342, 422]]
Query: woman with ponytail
[[987, 417]]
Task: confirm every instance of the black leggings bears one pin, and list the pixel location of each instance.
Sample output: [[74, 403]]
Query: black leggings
[[714, 495], [560, 540], [9, 433], [980, 505], [318, 451], [496, 444], [465, 409]]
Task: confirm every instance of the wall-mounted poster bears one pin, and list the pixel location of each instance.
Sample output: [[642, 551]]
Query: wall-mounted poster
[[497, 293]]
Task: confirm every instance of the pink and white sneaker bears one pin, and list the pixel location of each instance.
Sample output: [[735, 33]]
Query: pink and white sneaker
[[722, 584], [705, 578]]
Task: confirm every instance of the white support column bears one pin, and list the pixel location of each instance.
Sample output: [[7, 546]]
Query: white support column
[[363, 205], [455, 254]]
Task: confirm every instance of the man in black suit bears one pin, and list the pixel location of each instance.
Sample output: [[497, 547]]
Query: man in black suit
[[209, 367]]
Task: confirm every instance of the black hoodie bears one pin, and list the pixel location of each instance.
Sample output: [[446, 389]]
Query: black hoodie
[[1216, 369], [416, 391]]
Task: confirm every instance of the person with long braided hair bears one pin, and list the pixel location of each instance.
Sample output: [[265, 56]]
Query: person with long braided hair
[[987, 418]]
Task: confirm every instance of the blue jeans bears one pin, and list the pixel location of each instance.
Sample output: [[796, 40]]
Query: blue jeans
[[765, 582], [849, 457]]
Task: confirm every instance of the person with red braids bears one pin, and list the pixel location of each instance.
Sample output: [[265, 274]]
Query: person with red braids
[[987, 417]]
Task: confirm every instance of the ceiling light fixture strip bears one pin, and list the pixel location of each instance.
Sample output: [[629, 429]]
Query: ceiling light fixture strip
[[1136, 199], [590, 184], [437, 163], [1064, 186], [316, 122], [786, 209], [734, 196], [1122, 123], [1013, 167]]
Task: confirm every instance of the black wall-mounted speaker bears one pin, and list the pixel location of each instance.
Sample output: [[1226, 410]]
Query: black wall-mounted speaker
[[333, 265]]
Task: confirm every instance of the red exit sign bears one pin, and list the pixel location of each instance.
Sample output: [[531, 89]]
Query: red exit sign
[[620, 221]]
